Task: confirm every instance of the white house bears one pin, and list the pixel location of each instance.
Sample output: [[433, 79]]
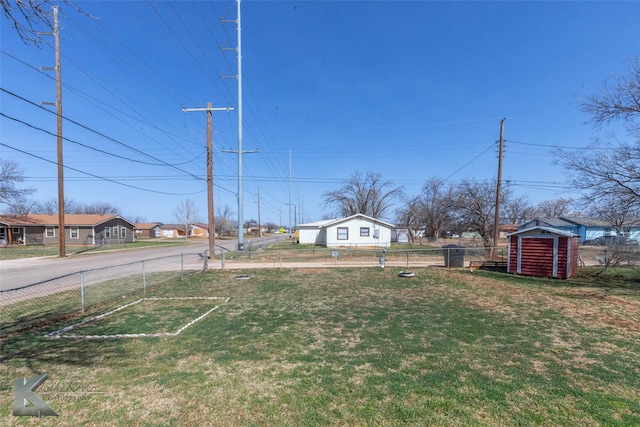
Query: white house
[[356, 231]]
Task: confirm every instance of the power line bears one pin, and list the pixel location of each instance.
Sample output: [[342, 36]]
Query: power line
[[97, 176], [468, 163], [101, 134], [100, 105], [76, 142]]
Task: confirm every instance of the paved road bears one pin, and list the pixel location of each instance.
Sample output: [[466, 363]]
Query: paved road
[[27, 271]]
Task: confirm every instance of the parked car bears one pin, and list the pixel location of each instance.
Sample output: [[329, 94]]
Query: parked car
[[610, 241]]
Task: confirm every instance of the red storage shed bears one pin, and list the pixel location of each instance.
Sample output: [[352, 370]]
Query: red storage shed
[[543, 252]]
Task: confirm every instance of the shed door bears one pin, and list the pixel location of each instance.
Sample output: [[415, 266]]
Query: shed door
[[537, 257]]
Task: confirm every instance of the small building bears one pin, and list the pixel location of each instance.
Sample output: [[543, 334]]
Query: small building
[[543, 252], [504, 229], [181, 231], [148, 230], [174, 231], [355, 231], [79, 229], [199, 229]]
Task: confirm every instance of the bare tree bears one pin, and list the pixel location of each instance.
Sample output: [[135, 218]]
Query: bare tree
[[22, 205], [101, 208], [474, 203], [138, 219], [186, 214], [617, 99], [409, 215], [610, 168], [224, 224], [270, 227], [554, 208], [366, 194], [515, 209], [30, 17], [437, 201], [10, 176], [50, 206], [617, 212]]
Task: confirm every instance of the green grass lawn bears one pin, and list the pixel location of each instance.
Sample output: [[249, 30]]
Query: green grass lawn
[[31, 251], [350, 347]]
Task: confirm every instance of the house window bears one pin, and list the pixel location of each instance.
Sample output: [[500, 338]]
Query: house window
[[343, 233], [364, 231], [74, 233], [50, 232], [16, 231], [115, 232], [607, 231], [123, 232], [107, 232]]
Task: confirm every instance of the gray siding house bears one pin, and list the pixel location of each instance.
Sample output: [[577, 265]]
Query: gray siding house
[[79, 229]]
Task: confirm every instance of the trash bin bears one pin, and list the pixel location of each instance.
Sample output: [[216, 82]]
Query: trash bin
[[453, 255]]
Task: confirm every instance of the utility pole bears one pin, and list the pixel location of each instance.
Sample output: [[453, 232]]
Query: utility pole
[[239, 151], [211, 222], [496, 232], [259, 226], [58, 104], [289, 193]]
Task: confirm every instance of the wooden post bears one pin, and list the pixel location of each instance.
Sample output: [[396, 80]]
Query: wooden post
[[496, 224]]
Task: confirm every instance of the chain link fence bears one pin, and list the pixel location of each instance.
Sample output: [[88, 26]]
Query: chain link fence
[[60, 297], [69, 295], [356, 256]]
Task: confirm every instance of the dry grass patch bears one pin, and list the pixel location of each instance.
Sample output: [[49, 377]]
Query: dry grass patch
[[361, 347]]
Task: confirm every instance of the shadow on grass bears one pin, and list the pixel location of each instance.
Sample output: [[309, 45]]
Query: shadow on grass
[[616, 279], [33, 349]]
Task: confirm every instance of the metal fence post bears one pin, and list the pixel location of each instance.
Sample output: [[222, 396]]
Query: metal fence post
[[144, 279], [448, 258], [82, 290], [407, 259], [181, 266], [280, 258], [222, 261]]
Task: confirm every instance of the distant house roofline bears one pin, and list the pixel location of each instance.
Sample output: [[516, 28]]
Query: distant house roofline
[[85, 220]]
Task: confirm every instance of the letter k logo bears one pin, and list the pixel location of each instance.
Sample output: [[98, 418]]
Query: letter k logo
[[23, 395]]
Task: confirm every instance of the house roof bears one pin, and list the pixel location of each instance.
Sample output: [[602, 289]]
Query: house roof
[[330, 222], [52, 220], [572, 221], [147, 225], [553, 222], [593, 222], [544, 229], [316, 224], [172, 226]]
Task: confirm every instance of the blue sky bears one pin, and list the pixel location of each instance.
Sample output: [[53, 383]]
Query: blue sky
[[410, 89]]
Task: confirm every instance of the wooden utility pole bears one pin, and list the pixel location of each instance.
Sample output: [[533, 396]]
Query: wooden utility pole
[[58, 104], [61, 224], [496, 222], [211, 220]]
